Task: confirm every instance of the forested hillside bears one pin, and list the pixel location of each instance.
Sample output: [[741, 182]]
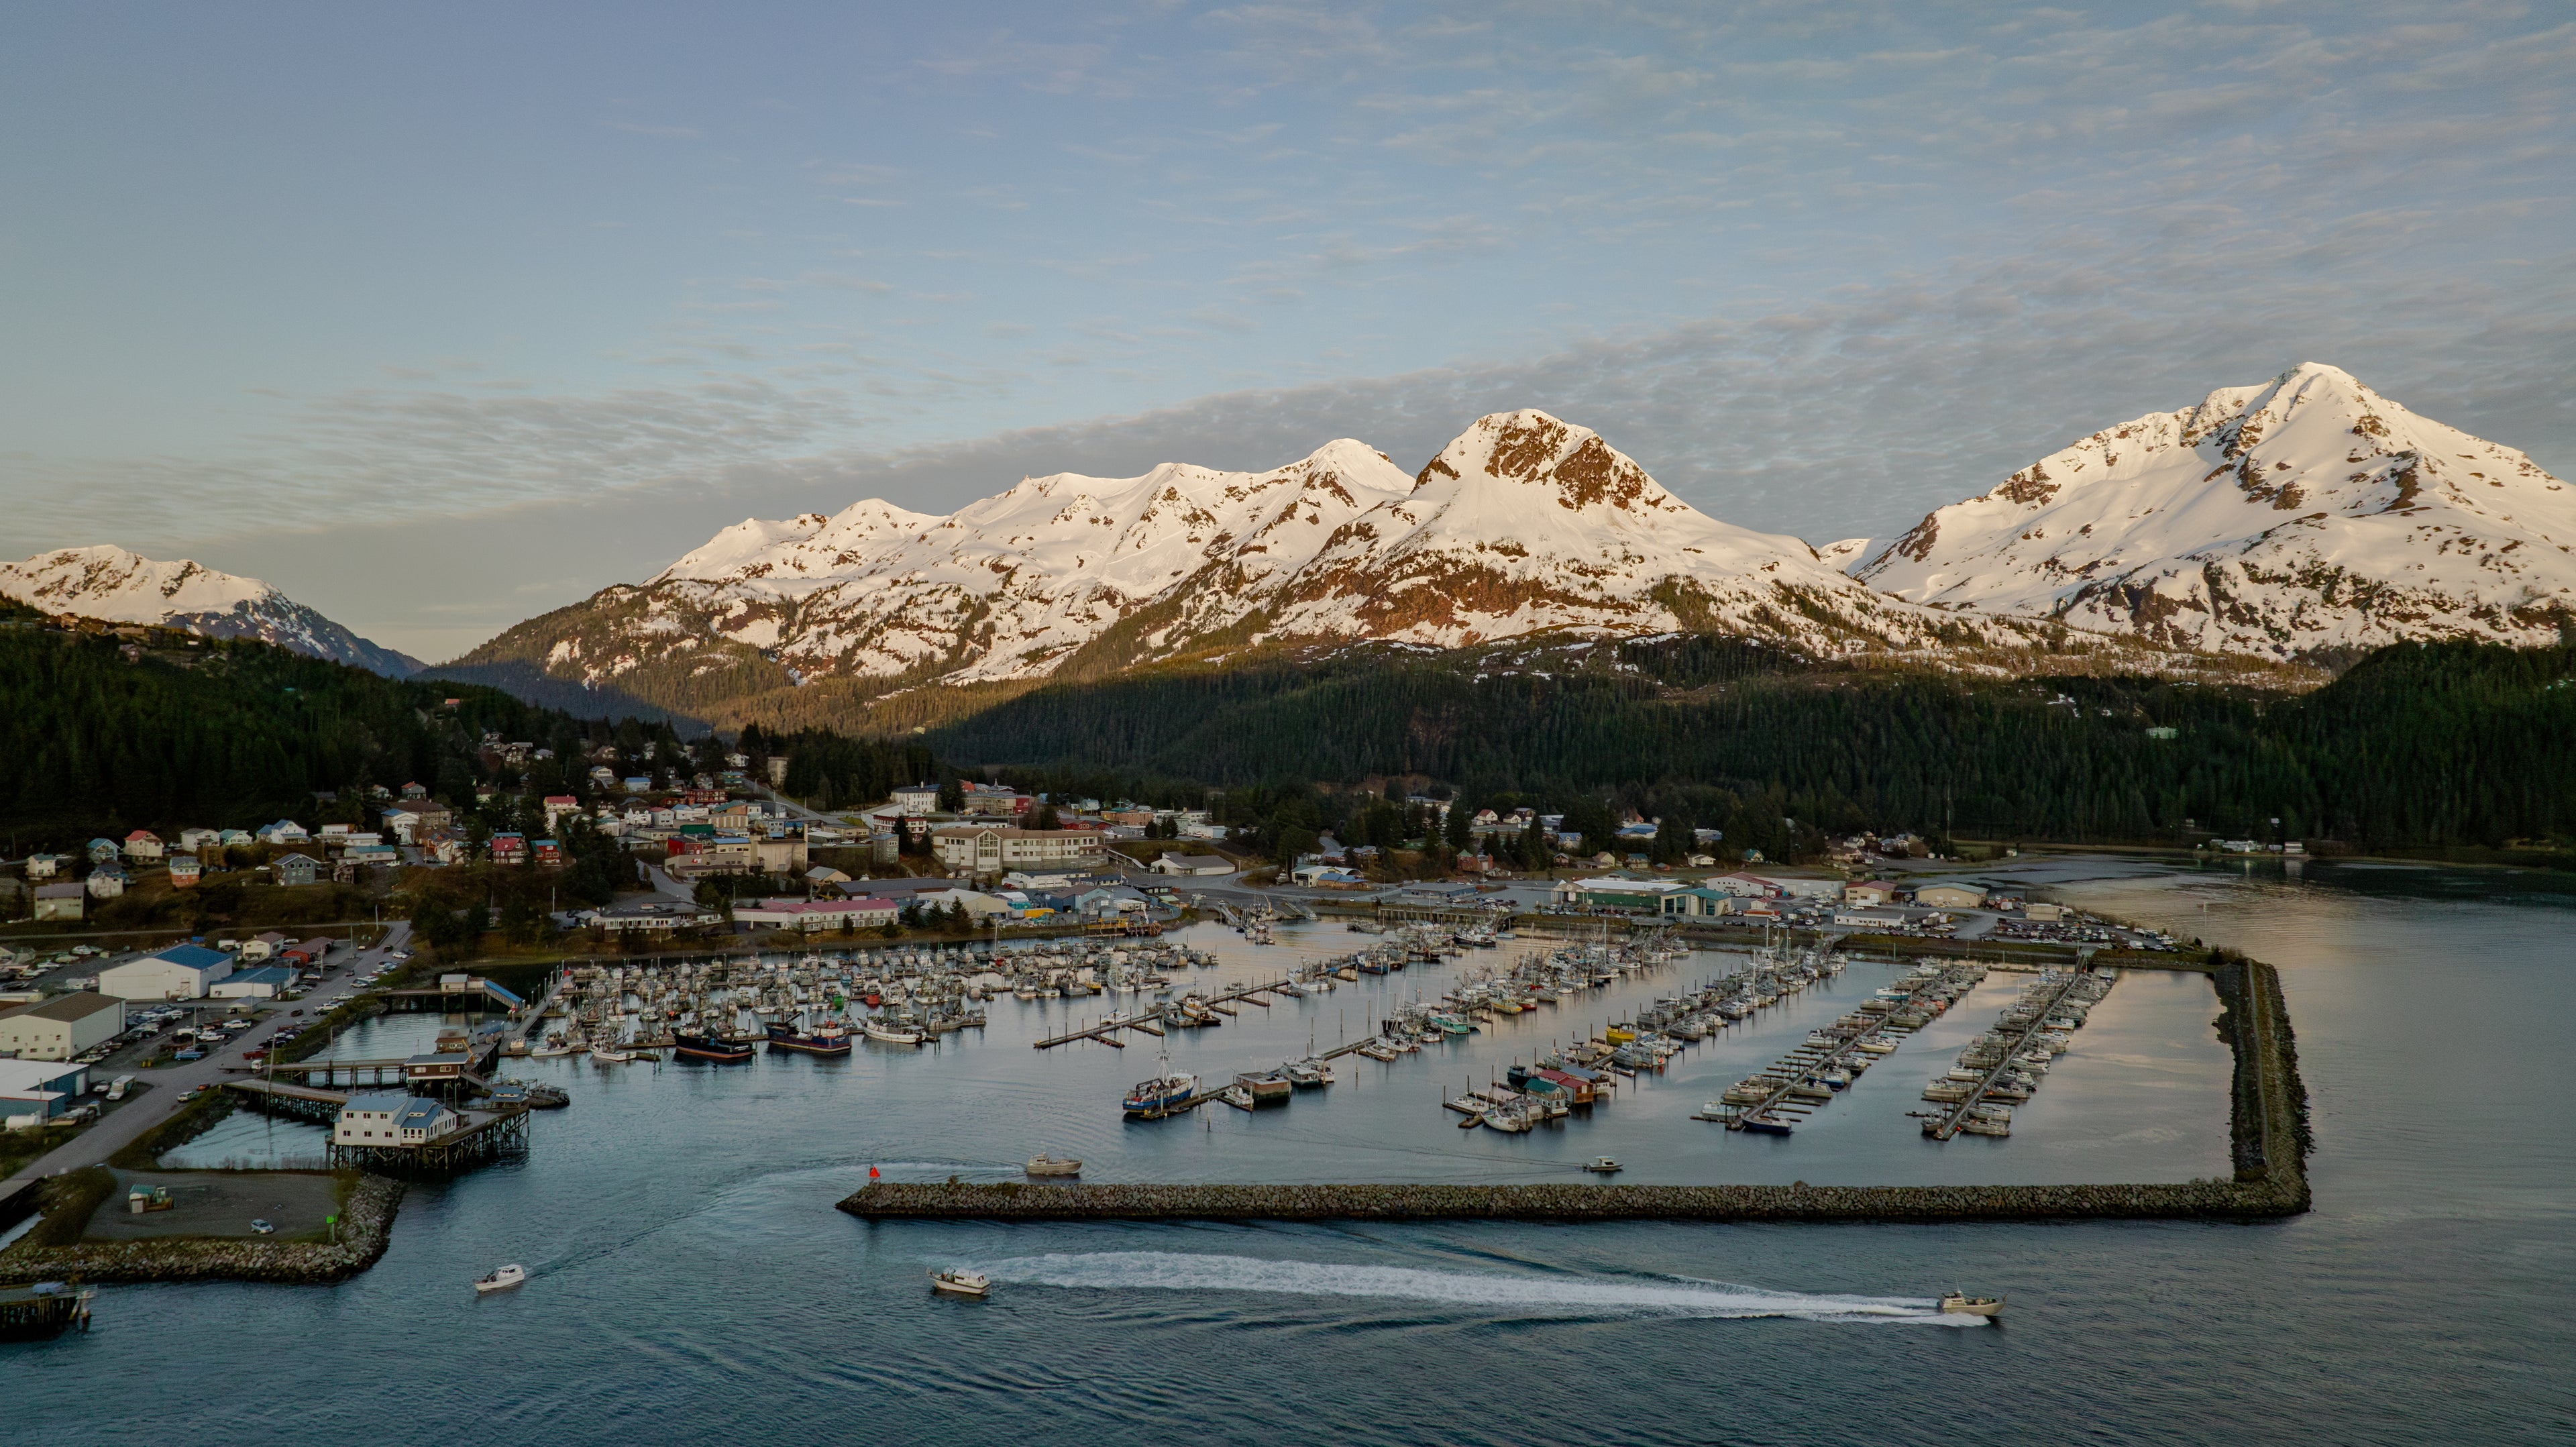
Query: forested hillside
[[2419, 745], [105, 733]]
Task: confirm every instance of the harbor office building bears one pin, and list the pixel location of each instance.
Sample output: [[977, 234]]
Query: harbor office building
[[985, 849], [62, 1027]]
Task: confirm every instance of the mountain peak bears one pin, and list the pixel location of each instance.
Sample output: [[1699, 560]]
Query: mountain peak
[[1570, 465], [118, 585]]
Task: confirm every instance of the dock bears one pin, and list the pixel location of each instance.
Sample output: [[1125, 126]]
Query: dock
[[1152, 1022], [1795, 1091], [1943, 1126]]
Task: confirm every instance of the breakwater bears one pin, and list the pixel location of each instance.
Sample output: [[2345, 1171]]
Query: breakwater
[[2266, 1125], [366, 1225]]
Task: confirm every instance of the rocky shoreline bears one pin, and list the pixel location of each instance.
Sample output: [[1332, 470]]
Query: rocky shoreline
[[2266, 1125], [366, 1226]]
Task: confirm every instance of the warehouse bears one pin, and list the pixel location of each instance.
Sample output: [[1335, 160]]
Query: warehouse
[[60, 1028], [181, 972]]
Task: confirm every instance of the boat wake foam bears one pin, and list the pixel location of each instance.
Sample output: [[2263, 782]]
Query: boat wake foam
[[1512, 1295]]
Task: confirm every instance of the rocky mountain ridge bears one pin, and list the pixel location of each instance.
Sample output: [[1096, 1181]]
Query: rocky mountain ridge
[[117, 586]]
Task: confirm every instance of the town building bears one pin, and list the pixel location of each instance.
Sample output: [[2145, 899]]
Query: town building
[[509, 849], [45, 866], [1699, 902], [412, 818], [1869, 893], [818, 914], [661, 916], [265, 983], [107, 881], [284, 831], [181, 972], [389, 1118], [62, 1027], [294, 870], [1175, 863], [917, 800], [194, 839], [1950, 896], [143, 845], [998, 848], [184, 871], [63, 901], [43, 1089]]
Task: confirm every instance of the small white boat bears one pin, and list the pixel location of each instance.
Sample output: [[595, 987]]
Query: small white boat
[[606, 1056], [1972, 1305], [1043, 1164], [1602, 1166], [502, 1279], [961, 1283], [891, 1035]]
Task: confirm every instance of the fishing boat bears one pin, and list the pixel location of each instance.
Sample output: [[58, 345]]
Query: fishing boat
[[1766, 1125], [715, 1049], [554, 1048], [1602, 1166], [828, 1038], [1308, 1074], [1044, 1165], [891, 1034], [1236, 1096], [1961, 1302], [1162, 1093], [608, 1055], [501, 1279], [961, 1283]]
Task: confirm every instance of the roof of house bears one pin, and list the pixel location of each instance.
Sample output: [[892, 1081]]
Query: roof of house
[[419, 1112], [59, 891], [385, 1100], [77, 1006]]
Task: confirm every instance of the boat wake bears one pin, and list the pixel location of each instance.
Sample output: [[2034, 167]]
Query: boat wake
[[1554, 1296]]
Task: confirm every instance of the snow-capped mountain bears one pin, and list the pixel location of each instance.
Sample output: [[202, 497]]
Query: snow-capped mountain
[[1523, 525], [2305, 513], [117, 586]]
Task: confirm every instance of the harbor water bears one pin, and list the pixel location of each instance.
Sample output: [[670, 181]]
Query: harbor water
[[688, 1272]]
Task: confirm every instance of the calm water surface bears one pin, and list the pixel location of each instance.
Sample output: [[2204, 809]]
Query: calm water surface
[[690, 1276]]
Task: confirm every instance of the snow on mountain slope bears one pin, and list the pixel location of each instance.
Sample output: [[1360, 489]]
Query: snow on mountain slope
[[117, 586], [1526, 524], [2306, 513], [1522, 525]]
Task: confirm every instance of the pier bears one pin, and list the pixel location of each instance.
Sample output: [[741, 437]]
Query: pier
[[1791, 1088], [1155, 1020], [1968, 1113]]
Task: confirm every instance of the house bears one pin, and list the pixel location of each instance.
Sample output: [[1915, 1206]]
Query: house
[[239, 836], [638, 783], [45, 866], [558, 805], [547, 851], [999, 848], [102, 851], [41, 1088], [265, 983], [384, 854], [819, 914], [196, 839], [108, 881], [391, 1120], [408, 820], [63, 901], [284, 831], [415, 791], [994, 799], [509, 849], [181, 972], [1950, 896], [143, 844], [263, 945], [184, 871], [294, 870], [444, 846], [62, 1027], [603, 776]]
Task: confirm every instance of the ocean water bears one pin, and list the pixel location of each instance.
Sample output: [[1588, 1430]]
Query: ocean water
[[690, 1275]]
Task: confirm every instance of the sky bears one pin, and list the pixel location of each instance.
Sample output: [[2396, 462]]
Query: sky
[[439, 317]]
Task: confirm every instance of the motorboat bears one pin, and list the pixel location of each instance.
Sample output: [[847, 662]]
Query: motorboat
[[1962, 1303], [1766, 1125], [609, 1055], [1602, 1166], [961, 1283], [715, 1049], [1044, 1165], [1237, 1096], [891, 1034], [502, 1278], [1162, 1093]]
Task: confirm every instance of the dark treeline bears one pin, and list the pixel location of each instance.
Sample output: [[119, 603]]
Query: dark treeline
[[834, 771], [237, 733], [2417, 746]]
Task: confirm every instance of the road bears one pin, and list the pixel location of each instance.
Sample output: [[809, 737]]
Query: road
[[119, 1128]]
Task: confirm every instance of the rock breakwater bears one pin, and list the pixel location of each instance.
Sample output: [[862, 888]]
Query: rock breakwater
[[366, 1225]]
